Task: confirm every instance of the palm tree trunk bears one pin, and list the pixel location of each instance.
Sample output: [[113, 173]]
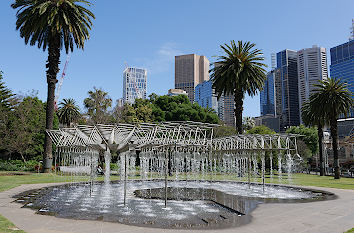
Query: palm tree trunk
[[238, 98], [334, 135], [52, 71], [320, 146]]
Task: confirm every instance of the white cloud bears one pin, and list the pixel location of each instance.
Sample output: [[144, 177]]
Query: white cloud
[[163, 59]]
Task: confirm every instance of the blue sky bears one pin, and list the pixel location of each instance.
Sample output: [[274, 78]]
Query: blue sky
[[150, 33]]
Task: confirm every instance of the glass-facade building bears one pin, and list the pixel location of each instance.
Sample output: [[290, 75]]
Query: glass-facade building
[[267, 95], [287, 65], [205, 96], [134, 84], [342, 64]]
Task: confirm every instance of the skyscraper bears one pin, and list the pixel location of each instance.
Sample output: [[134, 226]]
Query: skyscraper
[[205, 96], [268, 95], [342, 65], [134, 84], [312, 66], [190, 70], [287, 64]]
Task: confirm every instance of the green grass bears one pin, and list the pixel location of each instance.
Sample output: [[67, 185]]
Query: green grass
[[350, 231], [7, 227]]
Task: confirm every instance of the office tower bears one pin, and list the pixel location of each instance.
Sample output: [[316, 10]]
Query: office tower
[[134, 84], [205, 96], [311, 67], [287, 64], [342, 63], [267, 95], [190, 70], [229, 110], [175, 92]]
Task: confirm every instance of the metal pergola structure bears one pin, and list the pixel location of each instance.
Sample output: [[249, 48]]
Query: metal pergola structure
[[165, 138]]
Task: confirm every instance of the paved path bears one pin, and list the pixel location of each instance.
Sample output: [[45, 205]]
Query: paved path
[[323, 216]]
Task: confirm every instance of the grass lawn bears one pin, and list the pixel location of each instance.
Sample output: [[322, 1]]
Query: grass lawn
[[350, 231], [7, 227]]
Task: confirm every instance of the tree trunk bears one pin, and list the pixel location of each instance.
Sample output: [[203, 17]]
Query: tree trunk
[[320, 146], [23, 158], [334, 135], [238, 98], [52, 71]]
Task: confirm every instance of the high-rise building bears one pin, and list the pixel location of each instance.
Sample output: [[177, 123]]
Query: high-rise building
[[268, 95], [190, 70], [205, 96], [311, 67], [342, 65], [229, 110], [287, 64], [134, 84]]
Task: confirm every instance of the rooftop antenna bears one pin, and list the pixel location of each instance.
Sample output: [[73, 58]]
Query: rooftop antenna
[[273, 61], [352, 31]]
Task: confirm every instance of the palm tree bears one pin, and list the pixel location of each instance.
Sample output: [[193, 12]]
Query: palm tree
[[238, 72], [68, 112], [332, 98], [97, 104], [309, 117], [53, 24]]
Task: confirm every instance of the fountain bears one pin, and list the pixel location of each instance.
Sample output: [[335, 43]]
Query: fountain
[[188, 179]]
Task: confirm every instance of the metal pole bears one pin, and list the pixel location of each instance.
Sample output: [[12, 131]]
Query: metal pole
[[249, 170], [125, 177], [263, 169], [166, 173]]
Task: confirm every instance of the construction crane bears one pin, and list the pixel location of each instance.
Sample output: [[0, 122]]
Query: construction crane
[[57, 93]]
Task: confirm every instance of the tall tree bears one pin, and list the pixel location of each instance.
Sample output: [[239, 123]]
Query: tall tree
[[97, 105], [309, 117], [53, 24], [6, 95], [240, 71], [68, 112], [332, 98]]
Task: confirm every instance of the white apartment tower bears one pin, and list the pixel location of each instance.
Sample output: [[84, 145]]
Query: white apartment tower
[[312, 66], [134, 84]]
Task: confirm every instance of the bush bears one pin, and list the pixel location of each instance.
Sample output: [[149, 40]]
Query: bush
[[18, 165]]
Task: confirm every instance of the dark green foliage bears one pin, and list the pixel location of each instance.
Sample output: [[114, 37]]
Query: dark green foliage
[[309, 136], [6, 95], [179, 108], [166, 108], [97, 105], [261, 129], [330, 99], [68, 112], [239, 71], [39, 21], [25, 129], [19, 165]]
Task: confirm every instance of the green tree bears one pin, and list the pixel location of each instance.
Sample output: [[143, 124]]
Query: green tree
[[309, 117], [261, 129], [53, 25], [240, 71], [68, 112], [26, 128], [308, 136], [332, 99], [6, 96], [97, 105]]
